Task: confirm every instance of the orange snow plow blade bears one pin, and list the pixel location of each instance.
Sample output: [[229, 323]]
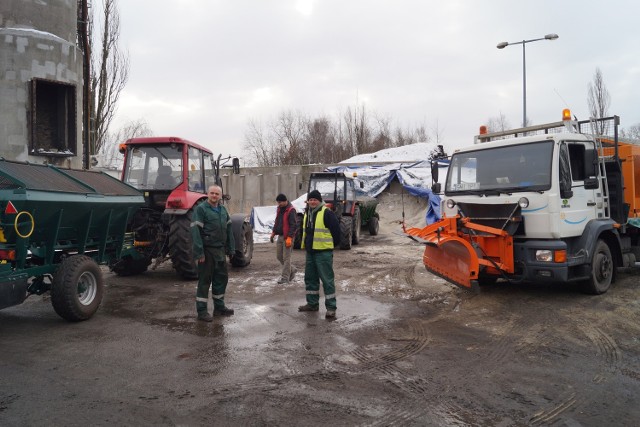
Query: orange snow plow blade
[[449, 254]]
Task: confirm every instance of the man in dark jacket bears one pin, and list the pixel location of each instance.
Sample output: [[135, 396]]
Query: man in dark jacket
[[212, 237], [285, 228], [320, 234]]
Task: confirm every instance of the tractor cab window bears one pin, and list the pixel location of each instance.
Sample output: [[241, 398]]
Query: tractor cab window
[[331, 189], [196, 175], [151, 167]]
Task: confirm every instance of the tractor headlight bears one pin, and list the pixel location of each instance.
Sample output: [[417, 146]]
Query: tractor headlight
[[523, 202], [450, 203]]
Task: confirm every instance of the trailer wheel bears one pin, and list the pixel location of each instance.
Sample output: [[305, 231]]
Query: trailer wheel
[[355, 239], [601, 270], [374, 225], [346, 228], [243, 237], [77, 288], [180, 246]]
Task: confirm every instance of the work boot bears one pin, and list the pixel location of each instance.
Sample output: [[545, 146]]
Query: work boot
[[224, 311], [308, 307], [205, 317], [293, 274], [331, 314]]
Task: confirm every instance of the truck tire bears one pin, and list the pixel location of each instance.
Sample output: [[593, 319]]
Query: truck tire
[[128, 266], [374, 225], [346, 228], [355, 238], [181, 246], [602, 268], [77, 288], [243, 236]]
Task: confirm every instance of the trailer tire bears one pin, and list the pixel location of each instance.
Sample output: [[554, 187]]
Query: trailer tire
[[77, 288], [243, 236], [374, 225], [346, 228], [355, 238], [602, 269], [181, 247]]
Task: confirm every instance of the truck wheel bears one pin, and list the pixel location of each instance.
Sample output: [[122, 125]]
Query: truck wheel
[[181, 247], [243, 237], [355, 238], [601, 270], [374, 225], [128, 266], [77, 288], [346, 227]]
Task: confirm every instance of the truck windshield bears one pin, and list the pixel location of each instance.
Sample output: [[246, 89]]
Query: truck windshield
[[506, 169], [153, 167]]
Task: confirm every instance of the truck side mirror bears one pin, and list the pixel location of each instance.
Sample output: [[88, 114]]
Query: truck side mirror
[[590, 183], [434, 171], [236, 165], [361, 184], [590, 162], [436, 188]]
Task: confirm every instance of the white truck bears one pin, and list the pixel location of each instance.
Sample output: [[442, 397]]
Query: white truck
[[550, 203]]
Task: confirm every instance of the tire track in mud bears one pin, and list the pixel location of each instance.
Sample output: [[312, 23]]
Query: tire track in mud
[[446, 412], [552, 414], [611, 355]]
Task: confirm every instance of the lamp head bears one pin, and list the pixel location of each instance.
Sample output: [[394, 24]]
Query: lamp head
[[502, 45], [551, 36]]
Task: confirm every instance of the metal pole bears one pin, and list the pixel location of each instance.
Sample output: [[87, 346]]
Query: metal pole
[[524, 86]]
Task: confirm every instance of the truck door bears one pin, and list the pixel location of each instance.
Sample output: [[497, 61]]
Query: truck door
[[577, 205]]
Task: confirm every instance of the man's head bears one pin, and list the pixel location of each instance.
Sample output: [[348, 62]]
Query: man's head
[[214, 194], [314, 198], [282, 200]]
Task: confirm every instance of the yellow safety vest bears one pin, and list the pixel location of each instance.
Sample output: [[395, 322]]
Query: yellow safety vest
[[322, 239]]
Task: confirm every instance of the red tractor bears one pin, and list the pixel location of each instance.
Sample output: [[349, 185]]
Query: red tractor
[[174, 175]]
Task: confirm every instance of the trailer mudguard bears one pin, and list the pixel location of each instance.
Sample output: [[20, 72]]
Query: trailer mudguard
[[13, 290]]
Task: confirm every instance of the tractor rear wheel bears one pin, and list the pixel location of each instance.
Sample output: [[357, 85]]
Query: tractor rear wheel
[[77, 288], [346, 228], [374, 225], [355, 239], [244, 244], [181, 247]]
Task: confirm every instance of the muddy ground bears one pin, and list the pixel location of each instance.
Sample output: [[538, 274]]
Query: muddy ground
[[407, 349]]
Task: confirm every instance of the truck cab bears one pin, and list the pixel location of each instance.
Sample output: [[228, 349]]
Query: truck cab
[[544, 203]]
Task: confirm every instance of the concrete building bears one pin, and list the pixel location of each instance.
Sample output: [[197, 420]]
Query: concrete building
[[41, 82]]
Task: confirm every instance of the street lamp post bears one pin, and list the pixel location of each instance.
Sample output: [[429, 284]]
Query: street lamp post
[[524, 70]]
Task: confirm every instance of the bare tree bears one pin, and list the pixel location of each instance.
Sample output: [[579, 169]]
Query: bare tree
[[633, 132], [599, 100], [110, 149], [498, 124], [109, 73], [257, 144]]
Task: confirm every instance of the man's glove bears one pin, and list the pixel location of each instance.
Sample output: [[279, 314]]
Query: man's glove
[[288, 242], [272, 237]]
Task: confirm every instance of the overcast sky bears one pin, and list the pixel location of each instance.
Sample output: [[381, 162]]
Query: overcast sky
[[200, 69]]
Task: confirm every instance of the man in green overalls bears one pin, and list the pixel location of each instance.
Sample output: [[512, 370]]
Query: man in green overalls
[[320, 234], [212, 239]]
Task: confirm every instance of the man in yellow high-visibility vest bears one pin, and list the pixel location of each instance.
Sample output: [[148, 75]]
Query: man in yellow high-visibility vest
[[320, 234]]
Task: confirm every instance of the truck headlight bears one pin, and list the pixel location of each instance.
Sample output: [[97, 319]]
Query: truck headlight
[[450, 203], [544, 255], [523, 202]]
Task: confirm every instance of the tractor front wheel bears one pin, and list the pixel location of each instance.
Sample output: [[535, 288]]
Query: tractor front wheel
[[181, 246], [346, 228]]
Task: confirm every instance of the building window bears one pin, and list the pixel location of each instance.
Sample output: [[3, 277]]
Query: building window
[[53, 118]]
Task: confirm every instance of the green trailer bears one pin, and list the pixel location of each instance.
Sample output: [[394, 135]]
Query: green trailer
[[56, 227]]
